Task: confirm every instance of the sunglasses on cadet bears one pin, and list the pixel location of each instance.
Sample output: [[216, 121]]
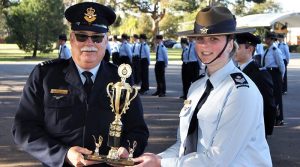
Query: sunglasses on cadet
[[83, 37]]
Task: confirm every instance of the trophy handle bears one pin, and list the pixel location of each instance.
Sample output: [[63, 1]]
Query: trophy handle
[[129, 101], [110, 95]]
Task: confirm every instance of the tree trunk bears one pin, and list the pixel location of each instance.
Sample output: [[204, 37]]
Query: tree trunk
[[35, 48], [155, 31]]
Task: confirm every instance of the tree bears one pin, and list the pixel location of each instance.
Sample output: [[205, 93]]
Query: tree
[[242, 8], [35, 24]]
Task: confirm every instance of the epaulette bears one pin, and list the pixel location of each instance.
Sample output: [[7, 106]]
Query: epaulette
[[274, 48], [162, 45], [47, 62], [239, 80], [199, 77], [65, 46]]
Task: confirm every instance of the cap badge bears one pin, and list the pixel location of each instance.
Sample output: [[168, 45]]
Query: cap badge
[[90, 15], [203, 30]]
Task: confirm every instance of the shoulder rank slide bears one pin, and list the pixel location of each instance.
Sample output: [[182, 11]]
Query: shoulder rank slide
[[239, 80]]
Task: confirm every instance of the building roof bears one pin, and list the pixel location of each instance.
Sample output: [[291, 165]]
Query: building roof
[[266, 20]]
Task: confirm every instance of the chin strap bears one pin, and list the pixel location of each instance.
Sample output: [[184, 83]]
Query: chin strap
[[219, 55]]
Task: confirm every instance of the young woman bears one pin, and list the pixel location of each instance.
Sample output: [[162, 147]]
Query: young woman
[[221, 123]]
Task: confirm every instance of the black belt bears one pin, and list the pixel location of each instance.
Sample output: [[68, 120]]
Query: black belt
[[272, 68], [190, 62]]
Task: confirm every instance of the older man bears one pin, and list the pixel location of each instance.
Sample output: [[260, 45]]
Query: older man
[[65, 103]]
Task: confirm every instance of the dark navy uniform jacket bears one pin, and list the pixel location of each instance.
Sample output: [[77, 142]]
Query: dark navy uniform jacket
[[53, 114], [264, 83]]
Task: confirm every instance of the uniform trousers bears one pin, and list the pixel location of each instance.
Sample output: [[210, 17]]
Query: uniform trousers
[[160, 77], [277, 81], [189, 73], [136, 70], [144, 68], [125, 60], [115, 58], [284, 84]]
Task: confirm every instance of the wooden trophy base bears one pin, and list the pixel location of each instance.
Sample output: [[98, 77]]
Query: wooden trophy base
[[99, 158]]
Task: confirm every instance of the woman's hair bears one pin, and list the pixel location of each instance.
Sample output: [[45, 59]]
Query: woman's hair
[[234, 49]]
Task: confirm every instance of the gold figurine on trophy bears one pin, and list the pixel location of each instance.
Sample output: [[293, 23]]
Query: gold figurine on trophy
[[120, 94]]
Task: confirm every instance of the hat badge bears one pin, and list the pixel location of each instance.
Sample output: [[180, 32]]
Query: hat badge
[[90, 15], [203, 30]]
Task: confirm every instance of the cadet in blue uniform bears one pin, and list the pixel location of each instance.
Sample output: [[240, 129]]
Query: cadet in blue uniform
[[273, 62], [190, 67], [115, 44], [286, 58], [125, 50], [144, 64], [160, 65], [65, 102], [64, 51], [136, 60], [221, 123], [261, 77]]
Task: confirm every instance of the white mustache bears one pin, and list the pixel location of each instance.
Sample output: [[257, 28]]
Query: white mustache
[[89, 49]]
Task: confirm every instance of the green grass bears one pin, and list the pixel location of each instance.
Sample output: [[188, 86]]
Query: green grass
[[11, 52]]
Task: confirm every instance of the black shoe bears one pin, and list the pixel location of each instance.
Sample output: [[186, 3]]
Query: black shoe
[[279, 123], [183, 97], [142, 92], [155, 94], [162, 95]]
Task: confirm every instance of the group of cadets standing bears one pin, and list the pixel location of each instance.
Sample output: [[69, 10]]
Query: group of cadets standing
[[136, 54]]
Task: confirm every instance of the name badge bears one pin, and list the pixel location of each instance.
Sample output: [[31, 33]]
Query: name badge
[[59, 91]]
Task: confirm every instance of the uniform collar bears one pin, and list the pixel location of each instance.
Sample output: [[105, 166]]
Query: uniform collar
[[94, 71], [217, 77], [242, 66]]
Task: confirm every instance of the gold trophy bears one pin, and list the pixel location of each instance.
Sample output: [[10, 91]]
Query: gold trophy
[[120, 94]]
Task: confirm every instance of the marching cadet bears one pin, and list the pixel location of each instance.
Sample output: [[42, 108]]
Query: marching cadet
[[273, 62], [160, 65], [136, 59], [190, 67], [286, 58], [144, 64], [260, 76], [115, 45], [125, 50], [64, 51], [221, 123], [64, 102]]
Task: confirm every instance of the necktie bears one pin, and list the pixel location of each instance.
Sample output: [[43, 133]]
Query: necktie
[[141, 47], [88, 84], [182, 54], [157, 52], [190, 46], [133, 47], [264, 58], [60, 51], [193, 128]]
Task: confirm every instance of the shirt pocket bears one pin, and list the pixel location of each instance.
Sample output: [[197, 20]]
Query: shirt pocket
[[58, 113]]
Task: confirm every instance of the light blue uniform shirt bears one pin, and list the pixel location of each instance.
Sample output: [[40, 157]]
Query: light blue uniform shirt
[[191, 55], [145, 51], [64, 52], [273, 59], [136, 49], [125, 50], [162, 53], [284, 48]]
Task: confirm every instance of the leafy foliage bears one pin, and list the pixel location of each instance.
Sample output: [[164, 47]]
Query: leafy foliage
[[35, 24]]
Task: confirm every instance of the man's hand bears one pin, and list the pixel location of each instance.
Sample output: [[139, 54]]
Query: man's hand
[[75, 156], [123, 153], [147, 160]]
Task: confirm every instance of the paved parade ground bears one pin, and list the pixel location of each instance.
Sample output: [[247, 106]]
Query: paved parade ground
[[161, 115]]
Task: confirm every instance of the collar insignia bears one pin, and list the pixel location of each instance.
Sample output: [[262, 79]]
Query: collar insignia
[[90, 15], [203, 30]]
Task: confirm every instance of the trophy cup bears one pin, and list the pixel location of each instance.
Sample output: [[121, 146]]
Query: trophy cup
[[120, 94]]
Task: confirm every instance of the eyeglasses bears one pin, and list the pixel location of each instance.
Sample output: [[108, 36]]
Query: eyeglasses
[[83, 37]]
